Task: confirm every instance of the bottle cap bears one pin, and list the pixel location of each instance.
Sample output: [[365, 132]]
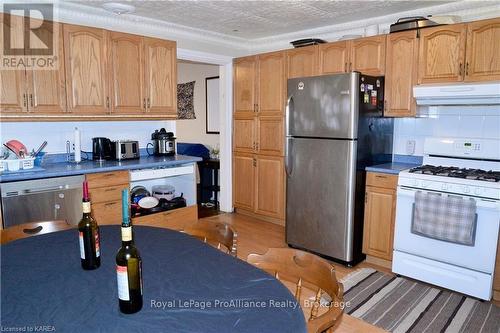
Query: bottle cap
[[85, 191], [125, 208]]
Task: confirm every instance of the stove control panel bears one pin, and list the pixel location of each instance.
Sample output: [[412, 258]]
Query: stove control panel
[[457, 186], [459, 147]]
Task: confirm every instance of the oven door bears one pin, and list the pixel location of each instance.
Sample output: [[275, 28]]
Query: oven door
[[480, 256]]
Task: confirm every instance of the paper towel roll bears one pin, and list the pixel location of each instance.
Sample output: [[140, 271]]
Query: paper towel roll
[[78, 146]]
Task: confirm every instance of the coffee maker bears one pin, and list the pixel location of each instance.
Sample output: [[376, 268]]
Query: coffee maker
[[101, 149], [163, 143]]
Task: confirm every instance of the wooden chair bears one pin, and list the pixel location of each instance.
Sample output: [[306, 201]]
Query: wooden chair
[[32, 229], [219, 235], [308, 274]]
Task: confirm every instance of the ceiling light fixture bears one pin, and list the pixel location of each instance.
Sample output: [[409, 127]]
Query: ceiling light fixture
[[118, 8]]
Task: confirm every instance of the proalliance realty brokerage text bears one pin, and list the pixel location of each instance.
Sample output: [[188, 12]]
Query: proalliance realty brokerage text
[[235, 303]]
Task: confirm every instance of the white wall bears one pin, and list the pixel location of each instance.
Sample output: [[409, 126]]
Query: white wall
[[479, 122], [32, 134], [194, 130]]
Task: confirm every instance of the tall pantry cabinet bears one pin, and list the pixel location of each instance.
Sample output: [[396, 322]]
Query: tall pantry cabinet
[[258, 132]]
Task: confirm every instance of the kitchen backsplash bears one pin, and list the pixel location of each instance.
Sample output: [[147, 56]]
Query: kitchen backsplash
[[32, 134], [481, 122]]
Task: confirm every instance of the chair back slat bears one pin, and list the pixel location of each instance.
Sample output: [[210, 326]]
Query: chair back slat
[[298, 289], [316, 304]]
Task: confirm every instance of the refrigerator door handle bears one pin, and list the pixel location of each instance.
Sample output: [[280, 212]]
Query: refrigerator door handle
[[288, 156], [289, 105]]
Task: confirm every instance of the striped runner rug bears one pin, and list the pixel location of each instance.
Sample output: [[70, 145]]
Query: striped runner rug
[[398, 304]]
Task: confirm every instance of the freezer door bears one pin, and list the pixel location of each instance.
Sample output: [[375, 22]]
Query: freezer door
[[320, 195], [323, 106]]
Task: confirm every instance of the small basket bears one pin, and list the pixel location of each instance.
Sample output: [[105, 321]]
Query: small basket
[[27, 163]]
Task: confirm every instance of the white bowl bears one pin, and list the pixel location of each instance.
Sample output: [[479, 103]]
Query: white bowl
[[148, 202]]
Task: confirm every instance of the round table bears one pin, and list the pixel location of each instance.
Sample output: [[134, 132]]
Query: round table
[[188, 287]]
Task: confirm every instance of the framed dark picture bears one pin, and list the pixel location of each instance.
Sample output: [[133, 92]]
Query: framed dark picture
[[213, 105]]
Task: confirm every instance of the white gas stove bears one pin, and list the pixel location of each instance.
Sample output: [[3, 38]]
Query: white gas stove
[[468, 169]]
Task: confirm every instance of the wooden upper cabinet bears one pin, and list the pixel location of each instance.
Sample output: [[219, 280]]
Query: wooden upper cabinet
[[271, 83], [127, 73], [442, 54], [270, 135], [483, 50], [245, 91], [334, 57], [244, 133], [161, 76], [302, 61], [13, 98], [270, 186], [46, 89], [401, 74], [367, 55], [87, 79], [244, 181]]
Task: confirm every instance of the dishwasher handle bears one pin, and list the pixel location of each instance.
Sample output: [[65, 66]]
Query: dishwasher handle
[[46, 189]]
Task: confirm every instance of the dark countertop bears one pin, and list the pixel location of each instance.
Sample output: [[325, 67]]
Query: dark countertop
[[391, 168], [62, 169]]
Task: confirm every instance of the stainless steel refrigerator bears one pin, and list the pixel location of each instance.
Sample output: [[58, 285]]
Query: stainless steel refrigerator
[[334, 129]]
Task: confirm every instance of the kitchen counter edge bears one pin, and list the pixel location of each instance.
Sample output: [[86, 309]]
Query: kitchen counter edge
[[390, 168], [85, 167]]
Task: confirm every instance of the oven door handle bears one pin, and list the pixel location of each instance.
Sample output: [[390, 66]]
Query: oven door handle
[[480, 202]]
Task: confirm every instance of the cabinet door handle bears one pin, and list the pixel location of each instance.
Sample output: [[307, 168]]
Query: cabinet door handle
[[366, 198], [31, 101], [254, 162], [460, 69], [110, 204], [256, 146], [107, 102], [149, 103], [25, 102], [144, 103], [350, 66], [467, 68], [345, 67]]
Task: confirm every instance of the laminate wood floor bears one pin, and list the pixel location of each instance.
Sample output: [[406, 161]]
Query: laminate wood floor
[[256, 236]]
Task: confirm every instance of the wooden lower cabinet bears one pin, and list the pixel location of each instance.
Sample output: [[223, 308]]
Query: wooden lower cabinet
[[496, 276], [176, 219], [244, 181], [380, 208], [270, 186], [259, 184], [105, 194]]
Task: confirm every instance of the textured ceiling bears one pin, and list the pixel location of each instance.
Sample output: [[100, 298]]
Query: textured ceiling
[[259, 19]]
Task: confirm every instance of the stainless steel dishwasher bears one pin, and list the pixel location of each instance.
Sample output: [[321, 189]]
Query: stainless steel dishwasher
[[42, 200]]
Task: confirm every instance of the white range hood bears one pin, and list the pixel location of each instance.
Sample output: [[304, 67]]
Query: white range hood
[[458, 94]]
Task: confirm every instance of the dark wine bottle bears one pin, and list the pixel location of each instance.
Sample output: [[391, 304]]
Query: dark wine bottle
[[128, 265], [90, 251]]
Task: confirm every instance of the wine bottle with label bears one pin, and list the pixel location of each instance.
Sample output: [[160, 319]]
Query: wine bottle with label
[[88, 230], [128, 265]]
